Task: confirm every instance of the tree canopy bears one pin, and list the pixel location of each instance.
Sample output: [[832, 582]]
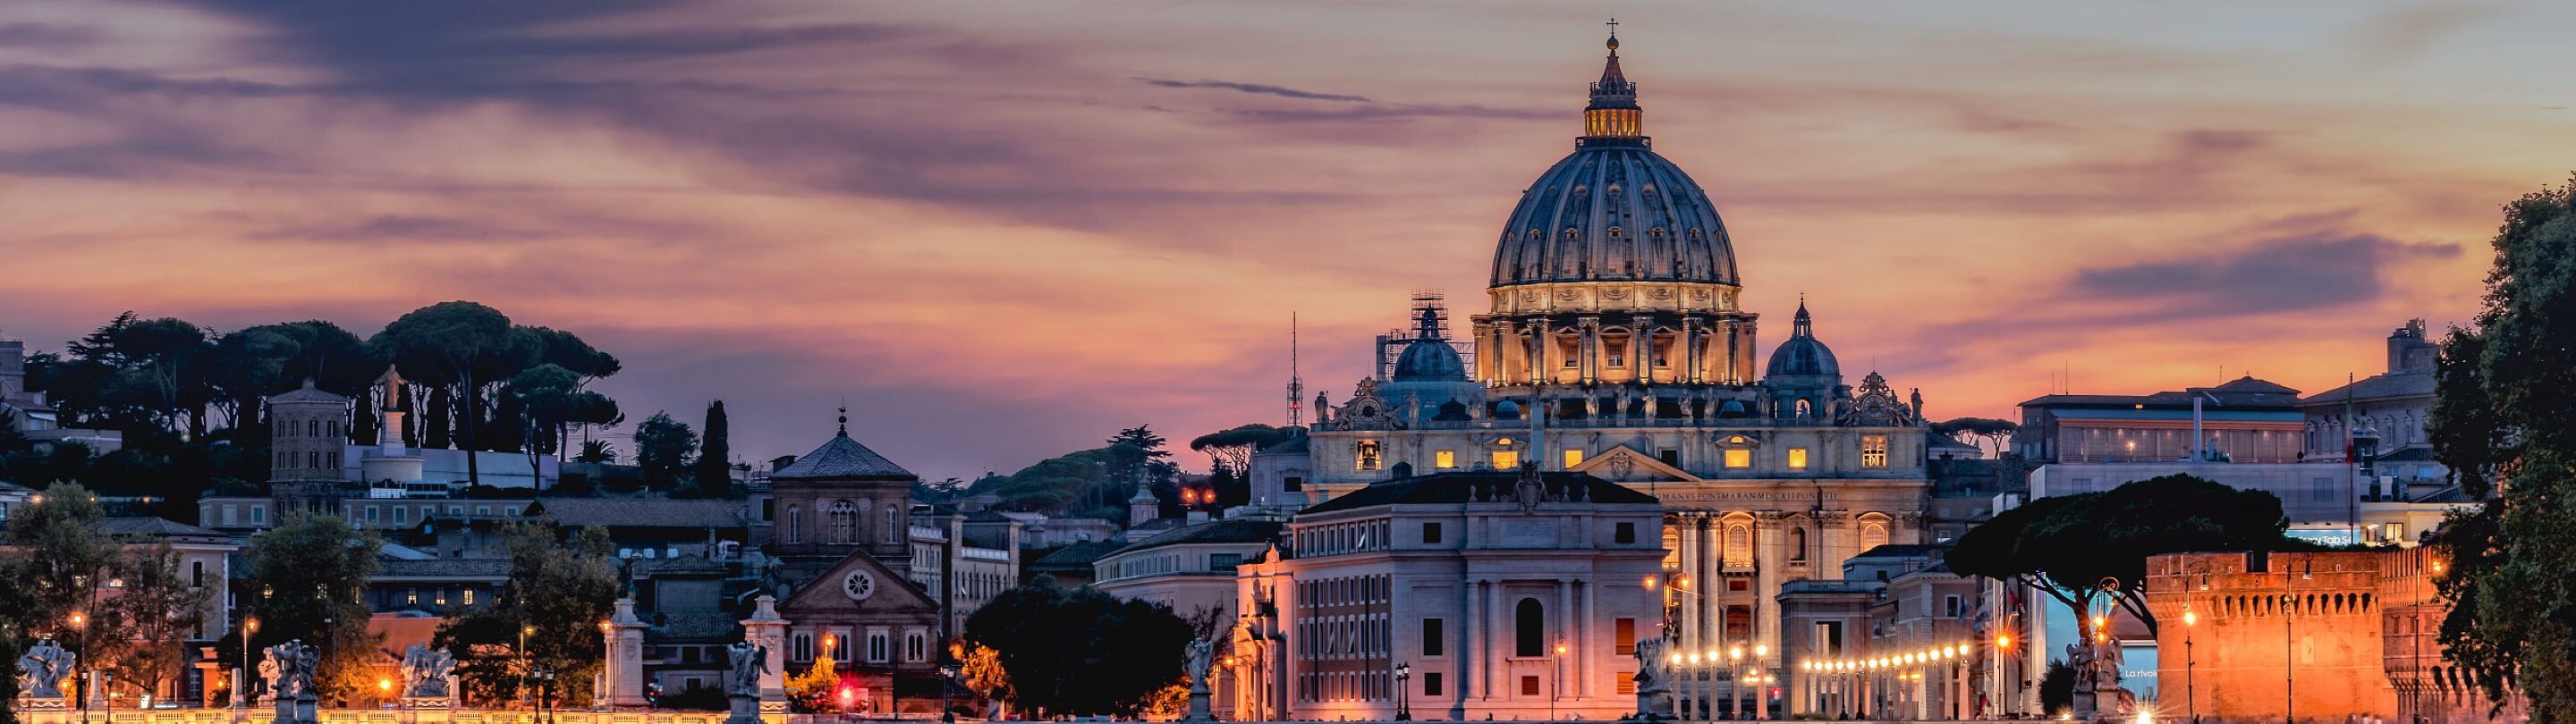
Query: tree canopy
[[1985, 433], [2066, 545], [1081, 651], [2500, 423], [559, 591], [308, 581], [1233, 447]]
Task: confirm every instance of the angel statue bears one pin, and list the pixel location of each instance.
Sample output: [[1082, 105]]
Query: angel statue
[[749, 662]]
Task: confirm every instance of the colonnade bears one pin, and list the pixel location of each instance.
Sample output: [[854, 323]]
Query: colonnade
[[1597, 348]]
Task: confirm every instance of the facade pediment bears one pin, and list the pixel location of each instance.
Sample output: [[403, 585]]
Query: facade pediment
[[1623, 463], [858, 584]]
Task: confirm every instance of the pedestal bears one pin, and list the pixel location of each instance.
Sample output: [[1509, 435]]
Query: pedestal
[[766, 629], [746, 710], [1199, 710], [428, 709]]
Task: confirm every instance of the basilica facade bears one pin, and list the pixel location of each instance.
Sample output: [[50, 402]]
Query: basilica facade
[[1613, 343]]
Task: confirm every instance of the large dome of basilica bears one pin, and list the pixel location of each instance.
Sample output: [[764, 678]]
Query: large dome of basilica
[[1613, 210]]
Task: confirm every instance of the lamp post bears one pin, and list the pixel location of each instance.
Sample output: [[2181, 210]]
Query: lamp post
[[1735, 680], [1556, 683], [1403, 704], [241, 676], [947, 676], [2289, 660], [2190, 690], [527, 667], [80, 623]]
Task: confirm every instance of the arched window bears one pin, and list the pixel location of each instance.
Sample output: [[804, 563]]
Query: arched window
[[894, 527], [795, 524], [1530, 629], [842, 523], [313, 427], [1805, 408], [313, 460], [1798, 544], [1872, 535]]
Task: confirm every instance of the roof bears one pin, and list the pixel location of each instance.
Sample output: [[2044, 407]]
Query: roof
[[683, 565], [641, 512], [1296, 444], [154, 528], [2376, 387], [2240, 393], [1462, 487], [307, 393], [1902, 550], [1215, 531], [486, 568], [841, 457], [1075, 557]]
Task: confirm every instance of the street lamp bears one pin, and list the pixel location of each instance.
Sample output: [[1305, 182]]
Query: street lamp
[[241, 676], [2191, 692], [947, 676], [1403, 708], [1556, 686]]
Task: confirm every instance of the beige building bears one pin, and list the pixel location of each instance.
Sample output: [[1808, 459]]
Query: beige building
[[1496, 595], [1613, 344]]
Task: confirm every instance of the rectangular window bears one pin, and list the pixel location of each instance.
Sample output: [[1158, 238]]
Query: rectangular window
[[1669, 456], [1431, 683], [1529, 686], [1292, 483], [1950, 605], [1444, 459], [1739, 458], [1507, 460], [371, 514], [1624, 682], [1573, 458], [197, 574], [442, 597], [1873, 451], [2321, 489], [1797, 458], [1224, 561], [1624, 532], [469, 597], [1367, 457], [259, 515], [1623, 636], [1431, 532], [402, 515], [1433, 637]]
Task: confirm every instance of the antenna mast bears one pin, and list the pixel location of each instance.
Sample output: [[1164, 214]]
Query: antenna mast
[[1296, 385]]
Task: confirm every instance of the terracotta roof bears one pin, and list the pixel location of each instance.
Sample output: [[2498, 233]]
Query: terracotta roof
[[641, 512], [842, 457], [482, 568], [1463, 487]]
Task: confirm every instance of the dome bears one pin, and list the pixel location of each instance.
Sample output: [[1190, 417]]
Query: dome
[[1803, 355], [1613, 210], [1429, 360]]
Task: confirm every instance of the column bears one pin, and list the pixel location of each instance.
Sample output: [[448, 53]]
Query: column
[[1592, 650], [1589, 346], [1641, 339], [1690, 351], [1687, 598], [1470, 646], [1565, 630], [1493, 634]]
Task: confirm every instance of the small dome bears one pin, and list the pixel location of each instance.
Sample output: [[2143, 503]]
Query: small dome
[[1803, 355], [1429, 360]]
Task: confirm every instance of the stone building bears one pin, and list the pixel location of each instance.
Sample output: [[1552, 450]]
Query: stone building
[[1189, 569], [2392, 408], [1503, 595], [1613, 344], [2320, 636], [844, 549], [2245, 420]]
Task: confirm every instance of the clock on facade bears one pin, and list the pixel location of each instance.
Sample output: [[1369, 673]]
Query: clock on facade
[[859, 585]]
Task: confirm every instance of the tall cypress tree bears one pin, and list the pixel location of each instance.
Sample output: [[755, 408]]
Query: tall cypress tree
[[715, 457]]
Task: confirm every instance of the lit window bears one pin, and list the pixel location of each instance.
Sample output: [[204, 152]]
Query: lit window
[[411, 597], [1507, 459], [1444, 459], [1368, 457], [1797, 458], [1573, 458], [1739, 458], [469, 597], [1873, 451]]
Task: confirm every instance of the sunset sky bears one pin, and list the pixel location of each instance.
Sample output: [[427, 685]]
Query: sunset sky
[[1001, 231]]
